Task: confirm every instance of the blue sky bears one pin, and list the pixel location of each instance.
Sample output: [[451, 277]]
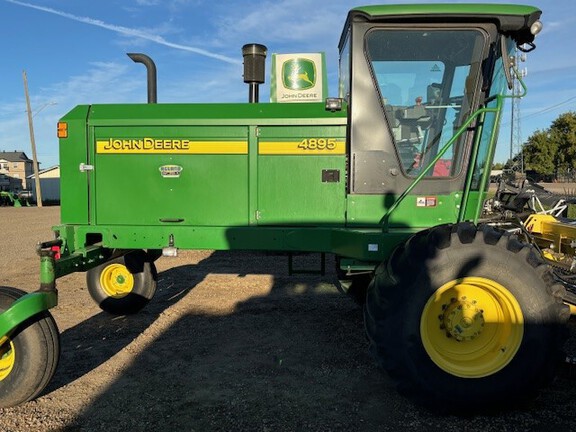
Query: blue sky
[[74, 52]]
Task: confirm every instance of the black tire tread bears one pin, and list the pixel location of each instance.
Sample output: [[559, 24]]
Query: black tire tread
[[383, 321], [45, 361]]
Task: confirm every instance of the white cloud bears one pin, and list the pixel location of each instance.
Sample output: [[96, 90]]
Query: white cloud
[[129, 32], [282, 21], [103, 83]]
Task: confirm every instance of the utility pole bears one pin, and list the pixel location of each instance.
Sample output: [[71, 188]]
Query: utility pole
[[33, 143]]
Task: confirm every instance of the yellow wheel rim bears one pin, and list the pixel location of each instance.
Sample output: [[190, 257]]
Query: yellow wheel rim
[[472, 327], [7, 357], [116, 281]]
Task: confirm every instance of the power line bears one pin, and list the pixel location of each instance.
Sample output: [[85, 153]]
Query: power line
[[544, 110], [550, 108]]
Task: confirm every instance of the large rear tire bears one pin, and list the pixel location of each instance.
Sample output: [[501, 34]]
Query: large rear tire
[[28, 356], [123, 285], [466, 318]]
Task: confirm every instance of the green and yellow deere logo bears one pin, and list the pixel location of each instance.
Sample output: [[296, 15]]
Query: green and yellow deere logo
[[299, 74]]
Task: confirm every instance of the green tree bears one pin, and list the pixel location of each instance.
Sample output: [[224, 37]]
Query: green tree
[[540, 153], [563, 135], [553, 151]]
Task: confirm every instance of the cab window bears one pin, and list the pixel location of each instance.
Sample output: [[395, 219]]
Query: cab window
[[426, 81]]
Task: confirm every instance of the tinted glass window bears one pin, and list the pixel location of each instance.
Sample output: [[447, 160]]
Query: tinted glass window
[[426, 80]]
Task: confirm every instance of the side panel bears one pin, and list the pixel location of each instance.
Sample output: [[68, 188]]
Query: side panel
[[74, 183], [418, 212], [302, 175], [187, 175]]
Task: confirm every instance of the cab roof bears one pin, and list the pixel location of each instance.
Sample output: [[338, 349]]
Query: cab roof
[[511, 20]]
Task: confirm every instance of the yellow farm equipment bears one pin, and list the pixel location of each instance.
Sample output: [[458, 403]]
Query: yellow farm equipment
[[541, 218]]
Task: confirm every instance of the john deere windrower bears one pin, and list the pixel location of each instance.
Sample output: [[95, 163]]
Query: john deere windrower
[[390, 177]]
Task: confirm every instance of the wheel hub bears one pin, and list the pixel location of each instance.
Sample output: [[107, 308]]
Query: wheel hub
[[472, 327], [462, 319], [116, 281]]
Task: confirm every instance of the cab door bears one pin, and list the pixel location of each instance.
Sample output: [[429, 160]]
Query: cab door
[[411, 90]]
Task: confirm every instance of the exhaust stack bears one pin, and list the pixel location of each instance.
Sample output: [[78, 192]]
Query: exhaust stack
[[151, 69], [254, 68]]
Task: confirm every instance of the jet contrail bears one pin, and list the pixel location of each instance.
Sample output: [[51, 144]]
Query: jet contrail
[[128, 31]]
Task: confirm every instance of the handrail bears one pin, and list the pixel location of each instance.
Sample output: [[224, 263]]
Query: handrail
[[386, 218]]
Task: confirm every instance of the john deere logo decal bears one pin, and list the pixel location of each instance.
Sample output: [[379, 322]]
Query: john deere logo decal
[[298, 74], [298, 77]]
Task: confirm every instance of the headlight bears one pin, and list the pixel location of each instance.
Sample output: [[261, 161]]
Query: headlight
[[536, 28]]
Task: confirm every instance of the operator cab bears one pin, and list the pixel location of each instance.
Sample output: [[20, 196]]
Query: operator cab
[[411, 81]]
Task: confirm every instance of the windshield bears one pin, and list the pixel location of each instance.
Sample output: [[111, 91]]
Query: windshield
[[426, 80]]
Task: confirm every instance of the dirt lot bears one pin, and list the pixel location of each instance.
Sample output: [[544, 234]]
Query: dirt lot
[[230, 343]]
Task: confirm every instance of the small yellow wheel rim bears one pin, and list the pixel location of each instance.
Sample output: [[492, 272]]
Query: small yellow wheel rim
[[472, 327], [116, 281], [7, 357]]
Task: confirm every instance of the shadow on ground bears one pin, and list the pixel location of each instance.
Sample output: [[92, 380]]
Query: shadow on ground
[[294, 359]]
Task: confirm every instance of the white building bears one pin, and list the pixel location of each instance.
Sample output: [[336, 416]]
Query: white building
[[49, 184]]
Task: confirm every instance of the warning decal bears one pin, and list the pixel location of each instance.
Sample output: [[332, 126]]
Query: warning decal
[[429, 201]]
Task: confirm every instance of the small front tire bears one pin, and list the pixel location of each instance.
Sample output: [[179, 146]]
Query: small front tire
[[123, 285]]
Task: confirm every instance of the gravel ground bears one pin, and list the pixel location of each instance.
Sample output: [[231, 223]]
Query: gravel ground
[[229, 343]]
